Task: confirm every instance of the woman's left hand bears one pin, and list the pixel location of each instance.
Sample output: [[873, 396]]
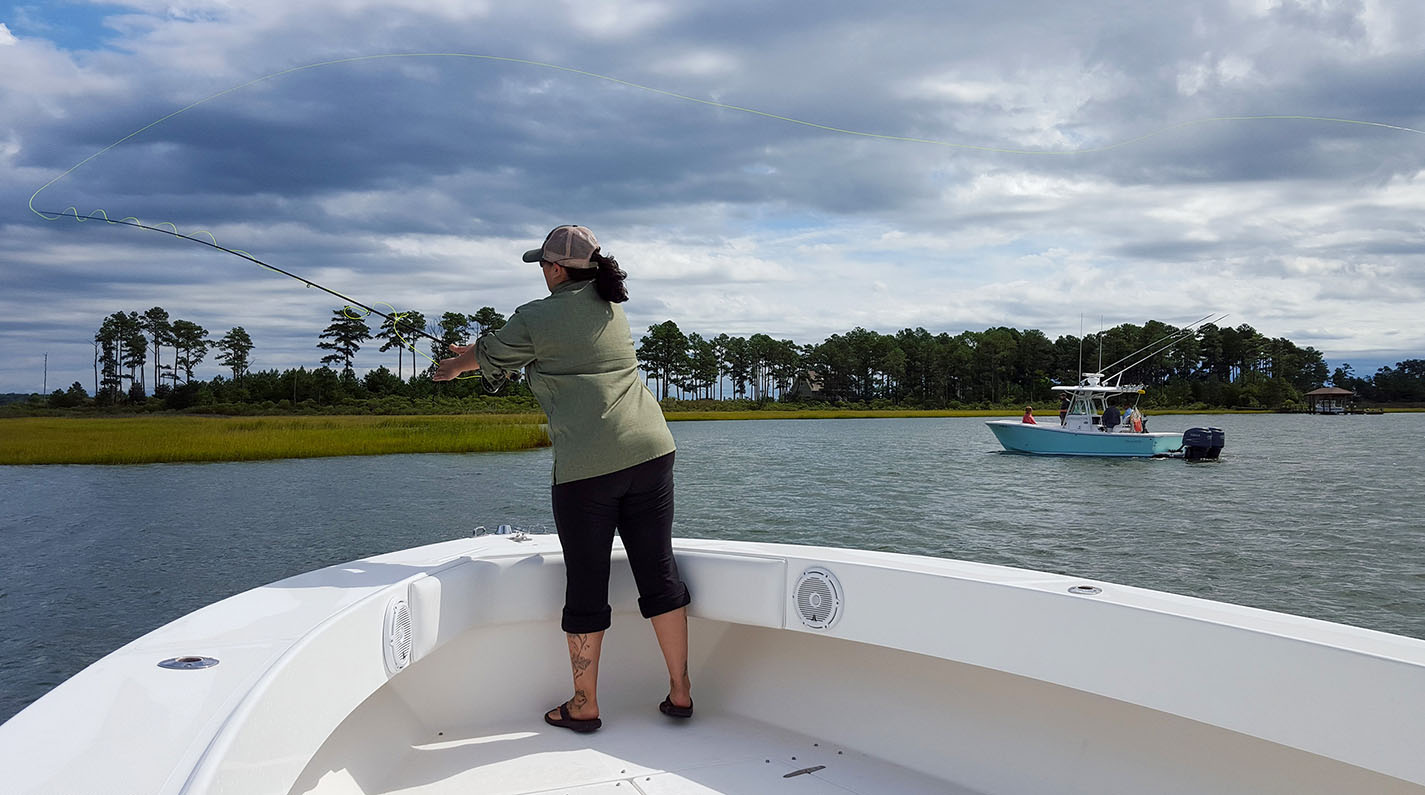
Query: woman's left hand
[[463, 360]]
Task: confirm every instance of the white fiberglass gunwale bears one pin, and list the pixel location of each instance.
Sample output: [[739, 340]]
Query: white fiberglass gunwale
[[1020, 681]]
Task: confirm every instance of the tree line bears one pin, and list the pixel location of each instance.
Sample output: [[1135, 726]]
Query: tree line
[[123, 342], [403, 331], [913, 368], [125, 339], [1218, 366], [1403, 383]]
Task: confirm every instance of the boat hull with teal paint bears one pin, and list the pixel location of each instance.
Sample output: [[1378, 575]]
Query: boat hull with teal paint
[[1045, 439]]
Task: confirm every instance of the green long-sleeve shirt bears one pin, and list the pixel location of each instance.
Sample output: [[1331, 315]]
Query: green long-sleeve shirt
[[578, 357]]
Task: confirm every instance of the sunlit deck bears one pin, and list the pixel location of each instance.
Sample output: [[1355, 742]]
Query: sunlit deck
[[636, 753]]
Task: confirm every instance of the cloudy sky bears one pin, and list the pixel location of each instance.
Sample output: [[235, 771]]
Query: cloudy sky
[[1029, 164]]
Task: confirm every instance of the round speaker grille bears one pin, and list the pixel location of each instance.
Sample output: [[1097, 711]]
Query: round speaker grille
[[396, 639], [818, 598]]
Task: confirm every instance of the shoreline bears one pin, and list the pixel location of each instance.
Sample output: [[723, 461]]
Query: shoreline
[[192, 438]]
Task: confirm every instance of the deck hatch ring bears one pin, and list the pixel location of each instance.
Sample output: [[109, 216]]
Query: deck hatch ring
[[396, 636], [818, 598], [1086, 590], [189, 662]]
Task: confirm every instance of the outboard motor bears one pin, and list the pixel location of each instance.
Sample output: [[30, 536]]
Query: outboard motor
[[1203, 444]]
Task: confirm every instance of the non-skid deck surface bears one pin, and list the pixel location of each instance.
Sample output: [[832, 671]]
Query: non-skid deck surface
[[648, 754]]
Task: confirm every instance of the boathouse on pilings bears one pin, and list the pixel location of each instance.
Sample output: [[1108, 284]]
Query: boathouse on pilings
[[1329, 400]]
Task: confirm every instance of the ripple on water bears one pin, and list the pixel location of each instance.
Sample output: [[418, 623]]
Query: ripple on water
[[1306, 515]]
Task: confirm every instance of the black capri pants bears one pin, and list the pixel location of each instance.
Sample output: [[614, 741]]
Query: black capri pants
[[638, 502]]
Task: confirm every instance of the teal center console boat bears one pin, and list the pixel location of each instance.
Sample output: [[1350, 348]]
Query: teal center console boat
[[1102, 419]]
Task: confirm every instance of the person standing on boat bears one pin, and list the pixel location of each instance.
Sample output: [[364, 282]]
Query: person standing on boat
[[1111, 416], [613, 457], [1063, 408]]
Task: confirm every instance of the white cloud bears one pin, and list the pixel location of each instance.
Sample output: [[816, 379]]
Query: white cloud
[[1254, 8], [960, 90], [615, 19], [732, 261], [1213, 72], [6, 37], [699, 63]]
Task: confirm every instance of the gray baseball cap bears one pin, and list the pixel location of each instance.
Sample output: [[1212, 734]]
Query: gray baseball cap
[[570, 246]]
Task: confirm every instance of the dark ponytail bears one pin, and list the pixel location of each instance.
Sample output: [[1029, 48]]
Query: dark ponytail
[[608, 277]]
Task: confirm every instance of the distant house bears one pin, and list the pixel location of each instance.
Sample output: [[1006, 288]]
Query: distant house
[[807, 386], [1329, 400]]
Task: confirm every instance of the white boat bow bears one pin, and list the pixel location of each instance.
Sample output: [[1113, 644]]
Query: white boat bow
[[933, 675]]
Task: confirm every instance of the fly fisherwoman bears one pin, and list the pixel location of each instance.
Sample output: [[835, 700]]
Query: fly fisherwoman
[[613, 457]]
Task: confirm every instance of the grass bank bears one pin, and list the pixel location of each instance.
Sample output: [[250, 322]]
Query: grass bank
[[162, 439]]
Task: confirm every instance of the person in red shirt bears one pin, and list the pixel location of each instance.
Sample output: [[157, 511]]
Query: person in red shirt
[[1029, 415]]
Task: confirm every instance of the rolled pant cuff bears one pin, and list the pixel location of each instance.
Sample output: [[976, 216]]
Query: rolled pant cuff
[[664, 604], [584, 623]]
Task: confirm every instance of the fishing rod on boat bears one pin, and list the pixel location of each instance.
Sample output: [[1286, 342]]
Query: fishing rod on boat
[[1171, 339], [1174, 336], [395, 319]]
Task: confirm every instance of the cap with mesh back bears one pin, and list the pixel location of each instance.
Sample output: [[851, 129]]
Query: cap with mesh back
[[570, 246]]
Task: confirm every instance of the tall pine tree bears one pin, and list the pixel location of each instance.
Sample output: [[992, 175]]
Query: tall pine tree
[[346, 332]]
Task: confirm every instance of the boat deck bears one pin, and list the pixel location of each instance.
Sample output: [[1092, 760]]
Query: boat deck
[[641, 754]]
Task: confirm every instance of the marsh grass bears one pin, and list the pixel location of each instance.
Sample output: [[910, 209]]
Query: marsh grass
[[148, 440]]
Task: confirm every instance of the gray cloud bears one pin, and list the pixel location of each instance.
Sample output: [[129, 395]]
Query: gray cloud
[[417, 179]]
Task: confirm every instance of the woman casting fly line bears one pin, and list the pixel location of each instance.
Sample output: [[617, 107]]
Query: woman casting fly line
[[613, 457]]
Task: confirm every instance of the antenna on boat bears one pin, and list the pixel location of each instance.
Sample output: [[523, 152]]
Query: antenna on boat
[[1080, 372], [1100, 343]]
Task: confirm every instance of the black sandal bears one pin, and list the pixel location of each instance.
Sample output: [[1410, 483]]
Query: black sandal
[[673, 710], [565, 721]]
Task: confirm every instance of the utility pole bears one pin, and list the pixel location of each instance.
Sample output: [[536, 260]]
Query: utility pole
[[44, 388]]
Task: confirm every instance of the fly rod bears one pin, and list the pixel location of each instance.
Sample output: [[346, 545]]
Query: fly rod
[[395, 319]]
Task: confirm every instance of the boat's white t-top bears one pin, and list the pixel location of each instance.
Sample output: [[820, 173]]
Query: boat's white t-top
[[427, 672], [1089, 398]]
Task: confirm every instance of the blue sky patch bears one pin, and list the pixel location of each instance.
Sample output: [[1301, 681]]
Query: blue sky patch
[[69, 25]]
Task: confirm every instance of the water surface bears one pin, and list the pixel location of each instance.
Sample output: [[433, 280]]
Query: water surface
[[1316, 516]]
